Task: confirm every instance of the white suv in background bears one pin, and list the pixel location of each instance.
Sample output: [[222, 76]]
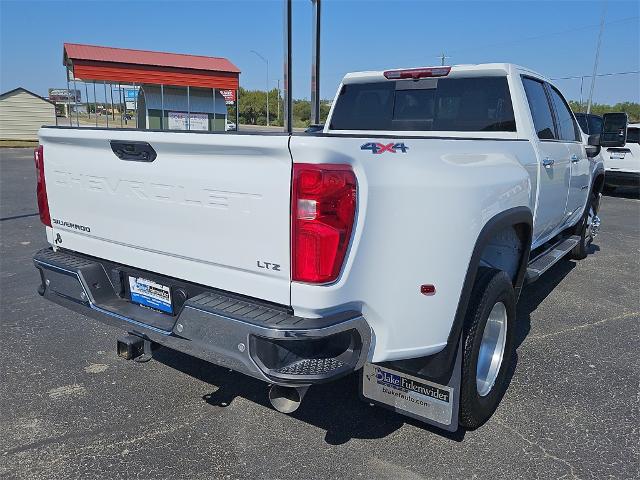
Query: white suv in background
[[622, 164]]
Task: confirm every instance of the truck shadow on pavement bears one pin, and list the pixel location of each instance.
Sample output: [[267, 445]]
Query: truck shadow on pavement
[[336, 406], [532, 296], [625, 192]]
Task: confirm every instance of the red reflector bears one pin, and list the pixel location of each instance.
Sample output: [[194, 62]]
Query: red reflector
[[41, 187], [416, 73], [323, 207], [428, 290]]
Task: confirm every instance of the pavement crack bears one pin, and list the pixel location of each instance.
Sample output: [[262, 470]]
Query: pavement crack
[[16, 217], [541, 448], [585, 325]]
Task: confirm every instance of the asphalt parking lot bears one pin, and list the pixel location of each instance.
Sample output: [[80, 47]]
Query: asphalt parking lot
[[70, 408]]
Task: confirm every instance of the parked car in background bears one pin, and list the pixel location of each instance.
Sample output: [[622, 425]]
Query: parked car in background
[[622, 164], [229, 125]]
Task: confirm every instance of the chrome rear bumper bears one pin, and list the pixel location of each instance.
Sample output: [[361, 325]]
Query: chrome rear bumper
[[259, 339]]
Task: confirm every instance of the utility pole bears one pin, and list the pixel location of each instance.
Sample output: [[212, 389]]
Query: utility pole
[[288, 99], [595, 63], [442, 58], [315, 63], [581, 97], [267, 62]]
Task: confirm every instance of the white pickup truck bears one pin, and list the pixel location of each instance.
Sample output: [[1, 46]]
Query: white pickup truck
[[395, 242], [621, 164]]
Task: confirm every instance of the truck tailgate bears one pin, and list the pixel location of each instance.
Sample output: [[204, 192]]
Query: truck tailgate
[[211, 208]]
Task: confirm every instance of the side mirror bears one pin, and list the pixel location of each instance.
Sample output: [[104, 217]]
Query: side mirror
[[593, 145], [614, 130]]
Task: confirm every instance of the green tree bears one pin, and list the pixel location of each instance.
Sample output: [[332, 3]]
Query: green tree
[[631, 108], [253, 107]]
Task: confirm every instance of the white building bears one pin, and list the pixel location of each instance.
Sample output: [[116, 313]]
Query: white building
[[22, 113]]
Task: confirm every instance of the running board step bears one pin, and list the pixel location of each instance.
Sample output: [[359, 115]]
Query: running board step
[[548, 259]]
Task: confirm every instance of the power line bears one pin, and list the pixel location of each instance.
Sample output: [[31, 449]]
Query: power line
[[538, 37], [599, 75]]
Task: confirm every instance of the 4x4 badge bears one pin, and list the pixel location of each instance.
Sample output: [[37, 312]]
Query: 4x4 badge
[[378, 148]]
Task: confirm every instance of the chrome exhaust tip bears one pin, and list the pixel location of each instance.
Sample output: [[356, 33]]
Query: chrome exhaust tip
[[286, 399]]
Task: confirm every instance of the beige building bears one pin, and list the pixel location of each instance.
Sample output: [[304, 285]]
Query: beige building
[[22, 113]]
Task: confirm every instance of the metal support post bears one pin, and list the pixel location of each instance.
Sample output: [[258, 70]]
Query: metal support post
[[121, 110], [135, 103], [68, 101], [105, 102], [288, 99], [315, 63], [75, 97], [113, 110], [162, 107], [238, 110], [86, 96], [95, 103], [214, 109]]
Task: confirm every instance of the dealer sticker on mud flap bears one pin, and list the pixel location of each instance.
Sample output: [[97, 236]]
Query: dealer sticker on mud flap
[[150, 294], [408, 394]]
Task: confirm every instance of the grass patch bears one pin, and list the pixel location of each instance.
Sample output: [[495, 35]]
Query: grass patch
[[18, 143]]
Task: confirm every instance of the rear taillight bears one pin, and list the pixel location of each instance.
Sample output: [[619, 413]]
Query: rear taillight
[[416, 73], [41, 187], [323, 207]]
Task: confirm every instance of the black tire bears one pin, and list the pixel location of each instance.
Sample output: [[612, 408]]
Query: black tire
[[608, 189], [491, 287], [580, 251]]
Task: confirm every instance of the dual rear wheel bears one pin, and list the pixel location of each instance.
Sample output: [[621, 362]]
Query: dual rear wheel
[[489, 327], [488, 343]]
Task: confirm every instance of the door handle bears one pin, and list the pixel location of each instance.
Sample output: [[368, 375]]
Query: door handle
[[574, 158], [133, 151], [547, 162]]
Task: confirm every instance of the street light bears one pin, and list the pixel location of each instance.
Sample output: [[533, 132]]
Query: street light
[[267, 62]]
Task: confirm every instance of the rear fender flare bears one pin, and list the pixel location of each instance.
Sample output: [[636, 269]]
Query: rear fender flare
[[439, 367]]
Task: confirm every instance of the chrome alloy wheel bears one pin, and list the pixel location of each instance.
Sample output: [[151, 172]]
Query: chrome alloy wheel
[[593, 225], [491, 351]]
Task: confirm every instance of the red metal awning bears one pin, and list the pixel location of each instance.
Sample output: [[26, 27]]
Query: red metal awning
[[89, 63]]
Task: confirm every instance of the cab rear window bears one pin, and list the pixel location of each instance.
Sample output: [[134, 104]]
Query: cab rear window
[[475, 104], [633, 135]]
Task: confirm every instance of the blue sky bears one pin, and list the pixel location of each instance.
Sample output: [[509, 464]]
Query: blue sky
[[556, 38]]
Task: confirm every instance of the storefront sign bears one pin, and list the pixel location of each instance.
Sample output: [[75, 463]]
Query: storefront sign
[[229, 96], [62, 95], [178, 121]]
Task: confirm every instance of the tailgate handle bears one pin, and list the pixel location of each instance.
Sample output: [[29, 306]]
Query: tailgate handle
[[133, 151]]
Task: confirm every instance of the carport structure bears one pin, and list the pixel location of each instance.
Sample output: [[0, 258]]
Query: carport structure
[[107, 65]]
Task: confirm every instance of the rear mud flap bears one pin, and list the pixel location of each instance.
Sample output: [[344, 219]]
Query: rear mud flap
[[413, 396]]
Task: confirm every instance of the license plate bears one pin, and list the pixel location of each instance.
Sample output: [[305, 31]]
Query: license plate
[[617, 155], [150, 294], [407, 393]]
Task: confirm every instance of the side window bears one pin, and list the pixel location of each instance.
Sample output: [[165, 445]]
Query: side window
[[540, 108], [566, 125], [595, 124], [582, 121]]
